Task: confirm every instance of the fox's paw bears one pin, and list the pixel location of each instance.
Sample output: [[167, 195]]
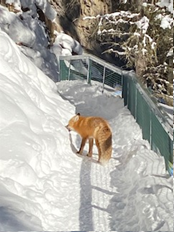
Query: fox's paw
[[79, 153], [103, 162], [89, 154]]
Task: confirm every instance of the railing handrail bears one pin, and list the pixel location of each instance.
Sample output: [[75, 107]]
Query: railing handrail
[[95, 59]]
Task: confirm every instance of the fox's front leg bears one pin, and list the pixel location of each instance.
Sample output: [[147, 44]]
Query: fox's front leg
[[90, 147], [82, 146]]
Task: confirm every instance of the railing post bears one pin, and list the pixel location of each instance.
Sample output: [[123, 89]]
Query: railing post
[[104, 72], [60, 69], [136, 103], [89, 71], [151, 129], [69, 70]]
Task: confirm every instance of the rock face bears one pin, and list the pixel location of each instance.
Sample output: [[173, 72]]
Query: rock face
[[135, 40], [72, 13], [74, 18], [86, 28]]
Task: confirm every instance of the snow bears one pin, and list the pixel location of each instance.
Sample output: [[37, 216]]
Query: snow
[[166, 3], [112, 18], [43, 5], [143, 24], [65, 45], [166, 22], [44, 185], [30, 34]]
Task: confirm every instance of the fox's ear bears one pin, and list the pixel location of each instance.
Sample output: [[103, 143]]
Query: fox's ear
[[76, 118]]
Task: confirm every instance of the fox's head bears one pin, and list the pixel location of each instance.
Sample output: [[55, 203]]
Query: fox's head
[[72, 122]]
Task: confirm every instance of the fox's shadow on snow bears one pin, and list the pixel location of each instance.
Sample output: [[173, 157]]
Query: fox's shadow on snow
[[85, 211], [86, 189]]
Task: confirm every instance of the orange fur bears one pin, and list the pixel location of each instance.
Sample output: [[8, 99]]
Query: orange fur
[[90, 128]]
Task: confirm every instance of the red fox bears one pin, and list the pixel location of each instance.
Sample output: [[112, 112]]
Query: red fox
[[93, 128]]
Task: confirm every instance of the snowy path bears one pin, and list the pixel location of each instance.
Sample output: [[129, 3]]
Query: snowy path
[[129, 193], [95, 190], [44, 185]]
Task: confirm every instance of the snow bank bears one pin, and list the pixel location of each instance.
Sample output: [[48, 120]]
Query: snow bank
[[31, 122], [32, 39], [12, 25], [26, 30], [65, 45]]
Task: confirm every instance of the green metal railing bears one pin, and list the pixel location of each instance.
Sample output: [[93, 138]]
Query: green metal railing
[[155, 126]]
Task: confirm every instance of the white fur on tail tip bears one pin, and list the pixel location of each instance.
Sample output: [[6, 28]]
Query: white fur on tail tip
[[103, 162]]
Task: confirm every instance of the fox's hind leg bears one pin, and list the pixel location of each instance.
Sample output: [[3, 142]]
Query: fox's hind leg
[[82, 146], [99, 149], [91, 141]]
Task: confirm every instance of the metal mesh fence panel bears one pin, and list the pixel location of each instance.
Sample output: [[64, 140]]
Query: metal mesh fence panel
[[161, 141], [96, 71], [131, 97], [101, 73], [73, 69], [112, 78], [143, 116], [63, 70]]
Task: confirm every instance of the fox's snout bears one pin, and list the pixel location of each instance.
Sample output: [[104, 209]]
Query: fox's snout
[[67, 127]]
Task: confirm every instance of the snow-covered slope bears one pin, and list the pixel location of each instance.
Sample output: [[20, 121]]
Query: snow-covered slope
[[31, 35], [30, 129], [44, 185]]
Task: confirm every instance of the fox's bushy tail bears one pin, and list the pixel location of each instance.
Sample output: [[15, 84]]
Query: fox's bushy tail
[[105, 144]]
